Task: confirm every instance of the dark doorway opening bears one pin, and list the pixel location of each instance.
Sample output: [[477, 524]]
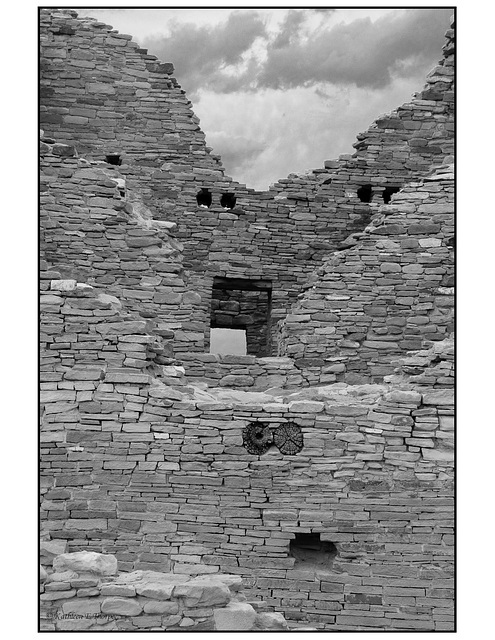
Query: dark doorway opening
[[239, 303]]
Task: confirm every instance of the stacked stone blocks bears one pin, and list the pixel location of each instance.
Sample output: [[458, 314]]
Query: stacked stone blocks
[[142, 432], [82, 591]]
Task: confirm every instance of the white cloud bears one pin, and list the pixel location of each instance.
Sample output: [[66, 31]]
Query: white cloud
[[291, 131]]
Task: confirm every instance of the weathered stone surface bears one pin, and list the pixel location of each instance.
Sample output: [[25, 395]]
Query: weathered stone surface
[[82, 606], [439, 397], [236, 616], [306, 406], [271, 622], [237, 381], [155, 590], [121, 607], [161, 607], [203, 592], [63, 285], [447, 423], [438, 455], [121, 590], [346, 410], [84, 373], [233, 582], [62, 576], [58, 595], [404, 397], [144, 577], [87, 562], [51, 548]]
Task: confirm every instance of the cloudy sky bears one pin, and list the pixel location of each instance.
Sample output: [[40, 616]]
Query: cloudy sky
[[279, 91]]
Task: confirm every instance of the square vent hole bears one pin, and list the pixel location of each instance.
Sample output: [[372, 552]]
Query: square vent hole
[[312, 553], [113, 158]]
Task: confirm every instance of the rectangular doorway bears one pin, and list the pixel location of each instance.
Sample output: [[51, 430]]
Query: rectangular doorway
[[242, 304]]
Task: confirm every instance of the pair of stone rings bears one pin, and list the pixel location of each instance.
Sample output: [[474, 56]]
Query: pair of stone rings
[[258, 437]]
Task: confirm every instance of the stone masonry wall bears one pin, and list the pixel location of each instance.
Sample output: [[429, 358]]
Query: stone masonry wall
[[157, 475], [82, 592], [161, 480], [143, 435], [101, 90], [383, 297], [95, 230]]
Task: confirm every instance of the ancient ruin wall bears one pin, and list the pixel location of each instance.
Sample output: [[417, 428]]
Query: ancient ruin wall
[[160, 477], [386, 295], [162, 480], [101, 90], [82, 592], [137, 463], [90, 231]]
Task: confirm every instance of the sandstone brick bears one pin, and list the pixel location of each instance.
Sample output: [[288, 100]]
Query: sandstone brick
[[82, 606], [306, 406], [203, 592], [155, 590], [439, 397], [121, 607], [161, 607], [87, 562], [237, 616]]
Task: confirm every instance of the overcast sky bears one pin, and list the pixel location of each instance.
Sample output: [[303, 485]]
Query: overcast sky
[[279, 91]]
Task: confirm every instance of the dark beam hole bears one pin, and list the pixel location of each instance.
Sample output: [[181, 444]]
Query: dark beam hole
[[113, 158], [228, 200], [365, 193], [388, 193], [203, 198]]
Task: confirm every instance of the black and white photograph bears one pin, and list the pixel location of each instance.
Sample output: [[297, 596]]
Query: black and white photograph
[[247, 236]]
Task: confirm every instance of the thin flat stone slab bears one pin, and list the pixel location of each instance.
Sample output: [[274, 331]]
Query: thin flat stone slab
[[306, 406], [122, 590], [141, 575], [58, 595]]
